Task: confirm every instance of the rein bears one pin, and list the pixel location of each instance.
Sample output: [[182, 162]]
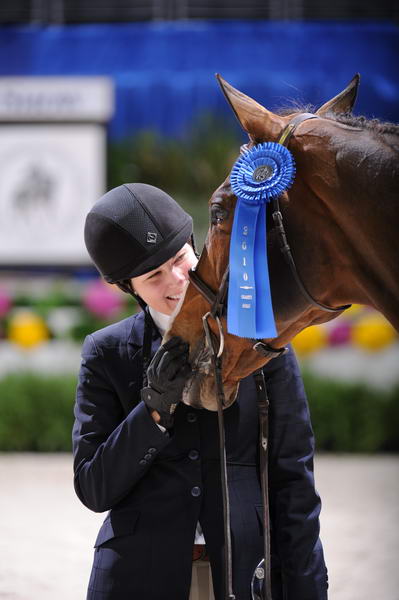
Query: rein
[[217, 303]]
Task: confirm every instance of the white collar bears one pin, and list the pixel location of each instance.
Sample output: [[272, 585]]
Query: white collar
[[161, 320]]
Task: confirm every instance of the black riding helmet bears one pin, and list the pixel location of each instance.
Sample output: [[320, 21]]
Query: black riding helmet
[[133, 229]]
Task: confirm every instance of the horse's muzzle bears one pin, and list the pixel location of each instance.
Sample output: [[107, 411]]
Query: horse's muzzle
[[200, 389]]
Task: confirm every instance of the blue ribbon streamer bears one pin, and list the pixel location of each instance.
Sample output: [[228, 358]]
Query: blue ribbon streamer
[[260, 174]]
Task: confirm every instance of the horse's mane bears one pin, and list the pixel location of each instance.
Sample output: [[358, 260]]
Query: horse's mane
[[358, 121], [363, 123]]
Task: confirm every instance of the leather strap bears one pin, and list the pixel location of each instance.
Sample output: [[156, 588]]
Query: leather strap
[[263, 409], [292, 125], [201, 287], [217, 370], [289, 259], [216, 301]]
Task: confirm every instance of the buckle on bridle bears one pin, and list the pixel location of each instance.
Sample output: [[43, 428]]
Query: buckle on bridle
[[208, 335]]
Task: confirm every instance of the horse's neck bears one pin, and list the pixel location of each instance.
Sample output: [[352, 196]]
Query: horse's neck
[[375, 250], [367, 221]]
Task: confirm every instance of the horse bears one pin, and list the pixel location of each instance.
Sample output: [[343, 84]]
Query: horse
[[341, 220]]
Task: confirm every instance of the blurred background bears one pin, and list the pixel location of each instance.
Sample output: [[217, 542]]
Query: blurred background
[[98, 93]]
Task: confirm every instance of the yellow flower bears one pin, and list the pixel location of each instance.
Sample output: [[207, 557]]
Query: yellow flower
[[373, 332], [27, 329], [310, 339]]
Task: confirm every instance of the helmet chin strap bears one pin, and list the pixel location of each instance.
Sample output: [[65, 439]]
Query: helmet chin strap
[[192, 242], [126, 286]]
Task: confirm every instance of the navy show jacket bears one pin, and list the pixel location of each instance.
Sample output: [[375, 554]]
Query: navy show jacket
[[158, 486]]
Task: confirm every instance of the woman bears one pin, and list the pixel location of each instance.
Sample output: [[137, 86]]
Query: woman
[[152, 461]]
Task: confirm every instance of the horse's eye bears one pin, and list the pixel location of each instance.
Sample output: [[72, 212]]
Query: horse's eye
[[218, 214]]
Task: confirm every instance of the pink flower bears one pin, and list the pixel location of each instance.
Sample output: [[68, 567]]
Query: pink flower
[[101, 300], [5, 302]]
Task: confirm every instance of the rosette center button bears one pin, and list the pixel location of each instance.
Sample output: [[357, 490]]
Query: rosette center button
[[262, 173]]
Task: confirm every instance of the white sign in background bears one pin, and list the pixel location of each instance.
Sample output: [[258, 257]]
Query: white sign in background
[[50, 176], [56, 99]]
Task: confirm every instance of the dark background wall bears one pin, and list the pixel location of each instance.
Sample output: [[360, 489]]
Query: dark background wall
[[90, 11]]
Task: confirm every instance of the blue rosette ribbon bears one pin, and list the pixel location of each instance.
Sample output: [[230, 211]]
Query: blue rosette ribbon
[[260, 174]]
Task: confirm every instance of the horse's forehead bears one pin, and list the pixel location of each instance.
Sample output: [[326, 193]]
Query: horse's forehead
[[223, 193]]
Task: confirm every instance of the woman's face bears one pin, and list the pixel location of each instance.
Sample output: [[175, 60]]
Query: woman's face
[[163, 287]]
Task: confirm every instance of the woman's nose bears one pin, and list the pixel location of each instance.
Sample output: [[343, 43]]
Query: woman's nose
[[178, 274]]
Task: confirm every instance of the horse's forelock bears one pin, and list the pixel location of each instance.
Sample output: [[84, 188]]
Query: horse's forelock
[[295, 108]]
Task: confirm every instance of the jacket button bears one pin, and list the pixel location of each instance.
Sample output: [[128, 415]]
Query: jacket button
[[152, 450], [196, 491], [142, 462], [148, 456], [193, 454], [191, 417]]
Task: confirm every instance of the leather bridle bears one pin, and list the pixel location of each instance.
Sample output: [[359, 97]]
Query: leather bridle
[[217, 302]]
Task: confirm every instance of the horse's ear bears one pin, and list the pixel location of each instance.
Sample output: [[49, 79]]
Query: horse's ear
[[256, 120], [343, 102]]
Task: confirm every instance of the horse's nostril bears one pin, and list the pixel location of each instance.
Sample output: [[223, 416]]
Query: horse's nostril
[[192, 391], [204, 366], [201, 361]]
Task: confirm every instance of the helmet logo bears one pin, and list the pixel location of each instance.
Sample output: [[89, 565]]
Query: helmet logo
[[151, 237]]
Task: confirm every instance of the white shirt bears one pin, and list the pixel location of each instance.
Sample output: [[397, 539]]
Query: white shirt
[[161, 321]]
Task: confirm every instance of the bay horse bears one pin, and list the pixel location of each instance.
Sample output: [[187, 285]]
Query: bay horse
[[341, 219]]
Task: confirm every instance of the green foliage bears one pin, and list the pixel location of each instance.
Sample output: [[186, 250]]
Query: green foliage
[[36, 414], [352, 417], [87, 322], [192, 165], [190, 168]]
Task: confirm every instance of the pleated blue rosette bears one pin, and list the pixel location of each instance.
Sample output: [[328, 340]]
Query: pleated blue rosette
[[260, 174]]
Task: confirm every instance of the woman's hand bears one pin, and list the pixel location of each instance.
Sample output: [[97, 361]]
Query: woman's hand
[[166, 377]]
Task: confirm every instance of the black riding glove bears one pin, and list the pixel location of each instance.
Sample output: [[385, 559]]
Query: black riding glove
[[166, 377]]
